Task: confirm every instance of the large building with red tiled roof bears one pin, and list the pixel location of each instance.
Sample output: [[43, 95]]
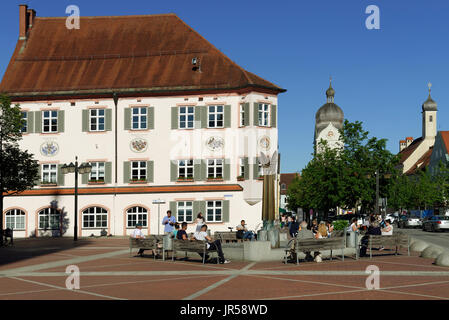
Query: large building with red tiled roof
[[157, 110], [415, 154]]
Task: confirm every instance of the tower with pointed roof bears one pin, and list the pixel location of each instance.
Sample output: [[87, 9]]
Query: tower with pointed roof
[[429, 117], [328, 121]]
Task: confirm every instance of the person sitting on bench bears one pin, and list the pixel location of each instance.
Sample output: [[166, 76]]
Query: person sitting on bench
[[138, 234], [182, 234], [242, 231], [211, 245], [373, 229]]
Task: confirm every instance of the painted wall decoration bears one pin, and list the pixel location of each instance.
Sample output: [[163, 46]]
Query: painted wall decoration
[[49, 148], [139, 145], [264, 143], [215, 143]]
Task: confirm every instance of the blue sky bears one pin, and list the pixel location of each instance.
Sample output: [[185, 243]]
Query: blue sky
[[380, 76]]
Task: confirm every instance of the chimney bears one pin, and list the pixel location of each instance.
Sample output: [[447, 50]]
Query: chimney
[[402, 145], [31, 16], [23, 21]]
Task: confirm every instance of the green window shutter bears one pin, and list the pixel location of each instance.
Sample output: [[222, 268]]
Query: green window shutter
[[246, 111], [108, 172], [204, 169], [108, 120], [150, 171], [227, 116], [150, 118], [61, 116], [37, 181], [30, 122], [197, 119], [197, 176], [126, 171], [60, 176], [225, 216], [246, 168], [256, 169], [127, 119], [38, 121], [227, 170], [174, 118], [256, 114], [196, 209], [85, 178], [85, 124], [173, 209], [202, 208], [273, 115], [173, 170], [204, 117]]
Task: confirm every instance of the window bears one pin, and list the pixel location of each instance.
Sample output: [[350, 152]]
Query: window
[[215, 168], [214, 211], [49, 173], [137, 215], [97, 173], [216, 116], [97, 119], [95, 217], [242, 115], [185, 169], [138, 171], [430, 119], [264, 114], [260, 170], [186, 117], [50, 121], [139, 118], [185, 211], [15, 219], [49, 218], [25, 123], [283, 186], [241, 167]]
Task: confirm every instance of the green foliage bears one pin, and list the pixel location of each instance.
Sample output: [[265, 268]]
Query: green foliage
[[344, 176], [341, 224], [18, 169]]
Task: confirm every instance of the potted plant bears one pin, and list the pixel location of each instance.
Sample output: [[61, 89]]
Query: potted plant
[[96, 181], [138, 180], [240, 178], [48, 183], [212, 178]]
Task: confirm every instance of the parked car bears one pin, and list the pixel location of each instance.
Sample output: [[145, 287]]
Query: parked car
[[436, 223], [392, 217], [409, 222]]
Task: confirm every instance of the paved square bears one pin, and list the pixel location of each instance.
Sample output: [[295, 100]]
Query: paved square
[[35, 269]]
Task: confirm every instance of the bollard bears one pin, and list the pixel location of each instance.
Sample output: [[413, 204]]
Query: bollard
[[273, 237], [262, 235]]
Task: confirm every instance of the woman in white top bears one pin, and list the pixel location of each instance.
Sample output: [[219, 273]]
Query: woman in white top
[[388, 230], [353, 227], [199, 222]]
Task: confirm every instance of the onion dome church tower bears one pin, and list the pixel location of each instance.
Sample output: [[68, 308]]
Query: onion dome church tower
[[328, 121]]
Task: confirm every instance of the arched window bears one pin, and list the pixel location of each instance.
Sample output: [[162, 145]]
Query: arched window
[[15, 219], [136, 215], [283, 186], [49, 218], [95, 217]]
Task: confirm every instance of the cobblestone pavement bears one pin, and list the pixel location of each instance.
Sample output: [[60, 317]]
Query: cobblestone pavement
[[36, 269]]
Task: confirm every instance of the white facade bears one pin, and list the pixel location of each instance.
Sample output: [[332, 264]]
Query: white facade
[[331, 135], [157, 148]]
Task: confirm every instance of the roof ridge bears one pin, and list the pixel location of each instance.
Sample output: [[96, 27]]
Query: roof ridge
[[170, 14]]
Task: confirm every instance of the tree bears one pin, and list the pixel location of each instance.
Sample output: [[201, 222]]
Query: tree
[[344, 176], [18, 169]]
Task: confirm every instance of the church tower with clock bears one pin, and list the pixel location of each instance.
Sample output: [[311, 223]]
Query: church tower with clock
[[328, 122]]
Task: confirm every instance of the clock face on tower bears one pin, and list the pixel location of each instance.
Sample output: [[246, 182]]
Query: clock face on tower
[[330, 134]]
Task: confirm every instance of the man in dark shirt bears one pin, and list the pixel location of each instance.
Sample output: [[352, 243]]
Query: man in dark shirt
[[373, 229], [182, 234]]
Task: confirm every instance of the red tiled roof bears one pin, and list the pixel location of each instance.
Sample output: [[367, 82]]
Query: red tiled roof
[[407, 152], [422, 163], [445, 137], [127, 54], [287, 178]]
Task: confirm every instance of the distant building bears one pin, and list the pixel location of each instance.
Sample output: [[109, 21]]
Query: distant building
[[285, 180], [415, 154], [328, 122], [440, 151]]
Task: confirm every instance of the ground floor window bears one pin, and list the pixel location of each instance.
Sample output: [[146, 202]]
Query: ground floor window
[[137, 215], [185, 211], [15, 219], [95, 217], [214, 211], [49, 218]]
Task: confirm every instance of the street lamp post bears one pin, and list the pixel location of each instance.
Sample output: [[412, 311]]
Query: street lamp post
[[82, 169], [158, 202]]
